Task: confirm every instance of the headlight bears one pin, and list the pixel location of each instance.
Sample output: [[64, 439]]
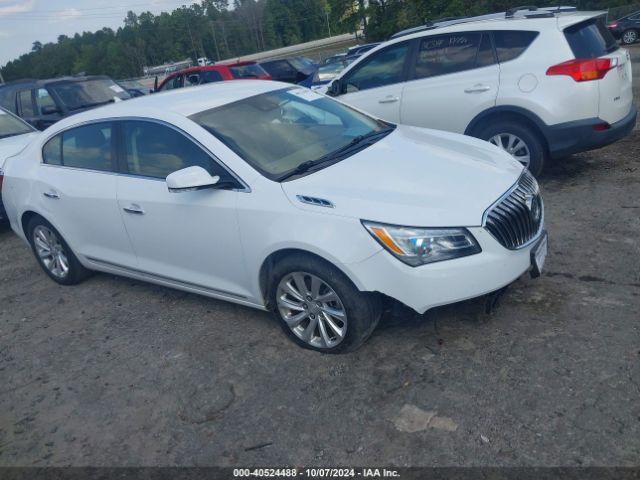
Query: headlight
[[418, 246]]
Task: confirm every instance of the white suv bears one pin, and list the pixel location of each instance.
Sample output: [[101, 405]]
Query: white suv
[[540, 84]]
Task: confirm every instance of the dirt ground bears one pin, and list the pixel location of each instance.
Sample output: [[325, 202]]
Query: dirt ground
[[118, 372]]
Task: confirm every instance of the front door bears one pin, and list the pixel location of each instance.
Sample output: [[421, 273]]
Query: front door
[[375, 86], [189, 237]]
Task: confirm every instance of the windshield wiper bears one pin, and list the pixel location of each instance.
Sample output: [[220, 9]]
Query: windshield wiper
[[358, 141]]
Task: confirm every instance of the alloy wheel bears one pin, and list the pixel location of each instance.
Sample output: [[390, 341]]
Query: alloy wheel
[[630, 36], [50, 251], [514, 146], [312, 310]]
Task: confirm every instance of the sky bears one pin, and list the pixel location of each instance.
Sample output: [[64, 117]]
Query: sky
[[22, 22]]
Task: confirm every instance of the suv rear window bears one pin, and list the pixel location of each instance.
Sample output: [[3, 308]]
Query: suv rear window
[[511, 44], [590, 39]]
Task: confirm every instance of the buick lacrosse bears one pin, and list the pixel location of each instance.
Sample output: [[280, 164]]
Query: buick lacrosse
[[277, 198]]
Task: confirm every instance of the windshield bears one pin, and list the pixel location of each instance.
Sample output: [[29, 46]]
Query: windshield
[[278, 131], [302, 64], [88, 93], [248, 71], [11, 126]]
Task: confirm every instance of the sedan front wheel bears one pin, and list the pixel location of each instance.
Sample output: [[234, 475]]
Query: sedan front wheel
[[319, 307]]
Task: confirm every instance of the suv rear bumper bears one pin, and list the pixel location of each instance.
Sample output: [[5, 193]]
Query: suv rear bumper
[[579, 136]]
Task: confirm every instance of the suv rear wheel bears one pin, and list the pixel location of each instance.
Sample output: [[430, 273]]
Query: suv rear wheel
[[318, 306], [519, 140], [629, 36]]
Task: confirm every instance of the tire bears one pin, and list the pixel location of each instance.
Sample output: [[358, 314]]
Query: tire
[[360, 311], [506, 130], [38, 238], [629, 36]]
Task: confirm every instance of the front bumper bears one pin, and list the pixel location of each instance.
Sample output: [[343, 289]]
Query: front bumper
[[572, 137], [441, 283]]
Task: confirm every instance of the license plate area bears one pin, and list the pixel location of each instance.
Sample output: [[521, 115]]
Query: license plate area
[[539, 255]]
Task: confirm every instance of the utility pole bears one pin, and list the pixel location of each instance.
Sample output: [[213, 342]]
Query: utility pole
[[215, 42], [328, 25]]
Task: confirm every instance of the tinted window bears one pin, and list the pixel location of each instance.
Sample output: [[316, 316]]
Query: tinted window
[[383, 68], [154, 150], [288, 127], [25, 102], [210, 76], [52, 151], [44, 100], [590, 39], [279, 69], [247, 71], [88, 93], [11, 126], [511, 44], [88, 147], [444, 54]]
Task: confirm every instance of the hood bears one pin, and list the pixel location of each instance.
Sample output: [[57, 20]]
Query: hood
[[13, 145], [413, 177]]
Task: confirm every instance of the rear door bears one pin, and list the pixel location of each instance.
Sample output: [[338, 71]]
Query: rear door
[[591, 39], [454, 78], [77, 184], [375, 85]]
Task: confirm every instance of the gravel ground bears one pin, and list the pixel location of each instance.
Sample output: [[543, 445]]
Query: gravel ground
[[118, 372]]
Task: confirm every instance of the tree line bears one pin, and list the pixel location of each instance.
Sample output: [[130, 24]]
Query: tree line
[[217, 29]]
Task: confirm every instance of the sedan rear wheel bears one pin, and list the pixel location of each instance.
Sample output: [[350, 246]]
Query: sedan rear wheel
[[53, 253]]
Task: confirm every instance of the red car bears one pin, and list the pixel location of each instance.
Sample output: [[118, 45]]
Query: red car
[[213, 73]]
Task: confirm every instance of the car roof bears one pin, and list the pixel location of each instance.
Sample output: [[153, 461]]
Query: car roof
[[535, 21], [51, 81], [181, 101]]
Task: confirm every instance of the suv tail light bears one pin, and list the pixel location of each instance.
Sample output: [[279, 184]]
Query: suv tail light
[[584, 70]]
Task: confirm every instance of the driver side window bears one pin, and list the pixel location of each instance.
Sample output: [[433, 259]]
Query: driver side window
[[383, 68]]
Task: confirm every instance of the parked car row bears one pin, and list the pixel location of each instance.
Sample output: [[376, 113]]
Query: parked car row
[[280, 198]]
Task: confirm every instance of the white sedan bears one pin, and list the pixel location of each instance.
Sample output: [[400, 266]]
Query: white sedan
[[277, 198]]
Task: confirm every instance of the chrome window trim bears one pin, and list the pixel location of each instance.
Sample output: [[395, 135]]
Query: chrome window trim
[[245, 187]]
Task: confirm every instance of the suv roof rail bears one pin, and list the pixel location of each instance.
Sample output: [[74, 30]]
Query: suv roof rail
[[530, 11]]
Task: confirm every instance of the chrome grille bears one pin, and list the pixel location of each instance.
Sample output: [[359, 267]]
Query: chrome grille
[[516, 218]]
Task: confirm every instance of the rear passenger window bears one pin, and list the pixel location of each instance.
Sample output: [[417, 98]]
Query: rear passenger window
[[510, 44], [590, 39], [52, 151], [88, 147], [154, 150], [444, 54]]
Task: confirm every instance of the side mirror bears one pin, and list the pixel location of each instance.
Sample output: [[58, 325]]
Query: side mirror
[[335, 88], [191, 178]]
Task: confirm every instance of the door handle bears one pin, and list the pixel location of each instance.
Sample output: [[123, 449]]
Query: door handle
[[389, 99], [478, 89], [52, 194], [134, 209]]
